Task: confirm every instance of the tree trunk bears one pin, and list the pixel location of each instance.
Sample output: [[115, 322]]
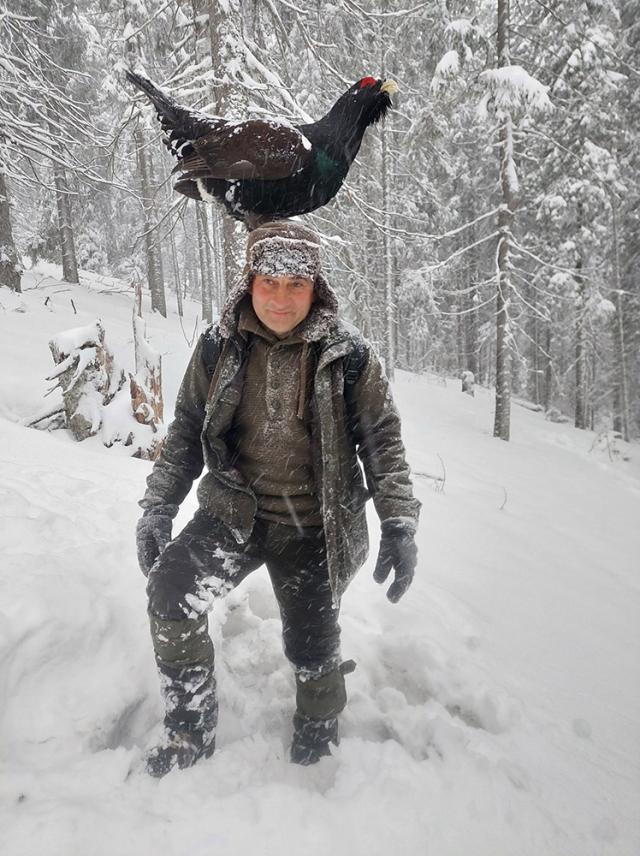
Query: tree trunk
[[177, 279], [459, 322], [621, 386], [190, 243], [502, 419], [55, 78], [65, 223], [364, 294], [218, 268], [9, 265], [153, 256], [548, 368], [534, 377], [176, 276], [536, 391], [501, 426], [145, 389], [149, 367], [152, 246], [227, 58], [389, 302], [158, 297], [471, 315], [205, 262], [580, 420], [175, 264], [87, 376], [231, 255]]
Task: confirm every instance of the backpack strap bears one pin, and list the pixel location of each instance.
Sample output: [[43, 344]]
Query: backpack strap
[[354, 362], [211, 347], [212, 350]]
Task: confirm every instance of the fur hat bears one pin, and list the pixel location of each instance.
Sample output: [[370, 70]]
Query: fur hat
[[284, 248]]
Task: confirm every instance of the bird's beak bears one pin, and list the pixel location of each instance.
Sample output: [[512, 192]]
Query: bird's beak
[[389, 86]]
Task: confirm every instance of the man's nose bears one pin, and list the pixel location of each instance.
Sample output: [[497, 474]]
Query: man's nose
[[281, 296]]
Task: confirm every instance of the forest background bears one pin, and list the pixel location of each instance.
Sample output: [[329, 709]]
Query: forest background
[[489, 225]]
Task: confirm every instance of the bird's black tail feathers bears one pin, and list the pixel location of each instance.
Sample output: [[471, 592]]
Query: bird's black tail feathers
[[176, 121], [163, 103]]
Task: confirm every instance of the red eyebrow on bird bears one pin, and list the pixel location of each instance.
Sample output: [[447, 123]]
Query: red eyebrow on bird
[[367, 81]]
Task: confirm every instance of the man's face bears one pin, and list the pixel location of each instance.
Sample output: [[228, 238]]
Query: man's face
[[281, 302]]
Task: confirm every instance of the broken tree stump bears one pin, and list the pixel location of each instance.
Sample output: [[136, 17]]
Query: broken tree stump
[[86, 375]]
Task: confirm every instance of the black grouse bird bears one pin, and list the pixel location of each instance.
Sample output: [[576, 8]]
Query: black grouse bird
[[262, 169]]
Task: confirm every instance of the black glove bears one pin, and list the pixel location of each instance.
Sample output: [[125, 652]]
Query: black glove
[[153, 533], [397, 550]]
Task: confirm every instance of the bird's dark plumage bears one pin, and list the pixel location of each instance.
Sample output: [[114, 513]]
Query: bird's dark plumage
[[261, 169]]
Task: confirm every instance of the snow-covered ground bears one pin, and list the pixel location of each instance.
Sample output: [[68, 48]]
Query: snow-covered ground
[[495, 710]]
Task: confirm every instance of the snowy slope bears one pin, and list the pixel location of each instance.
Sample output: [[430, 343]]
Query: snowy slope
[[495, 710]]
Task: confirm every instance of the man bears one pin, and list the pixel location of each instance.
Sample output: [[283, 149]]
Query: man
[[279, 401]]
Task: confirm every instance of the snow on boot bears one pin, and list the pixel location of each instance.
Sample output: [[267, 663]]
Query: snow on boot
[[311, 738], [191, 716], [179, 749]]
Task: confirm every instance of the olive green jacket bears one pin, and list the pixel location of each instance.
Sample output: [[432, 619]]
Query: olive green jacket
[[353, 419]]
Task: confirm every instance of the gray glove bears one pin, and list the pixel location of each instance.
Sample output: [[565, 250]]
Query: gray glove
[[397, 550], [153, 533]]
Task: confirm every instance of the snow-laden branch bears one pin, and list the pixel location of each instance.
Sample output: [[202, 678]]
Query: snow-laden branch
[[331, 68], [594, 158], [48, 151], [361, 204], [274, 81], [572, 271], [447, 67], [291, 6], [463, 250], [399, 13], [530, 282], [459, 313], [130, 33], [176, 208], [511, 88]]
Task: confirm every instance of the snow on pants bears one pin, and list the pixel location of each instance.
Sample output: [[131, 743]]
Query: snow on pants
[[205, 562]]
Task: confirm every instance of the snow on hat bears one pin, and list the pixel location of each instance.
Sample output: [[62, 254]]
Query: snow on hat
[[282, 248]]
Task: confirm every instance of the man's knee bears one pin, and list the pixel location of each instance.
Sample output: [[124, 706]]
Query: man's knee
[[170, 580], [181, 643], [312, 639]]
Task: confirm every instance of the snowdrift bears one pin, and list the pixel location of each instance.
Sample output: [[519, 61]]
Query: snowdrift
[[495, 710]]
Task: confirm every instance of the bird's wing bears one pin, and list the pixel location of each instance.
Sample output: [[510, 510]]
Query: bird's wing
[[255, 149]]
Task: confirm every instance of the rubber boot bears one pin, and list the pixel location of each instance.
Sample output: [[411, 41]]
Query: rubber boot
[[319, 700], [312, 738], [190, 720]]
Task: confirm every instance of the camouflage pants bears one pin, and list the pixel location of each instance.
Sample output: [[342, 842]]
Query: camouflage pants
[[205, 562]]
